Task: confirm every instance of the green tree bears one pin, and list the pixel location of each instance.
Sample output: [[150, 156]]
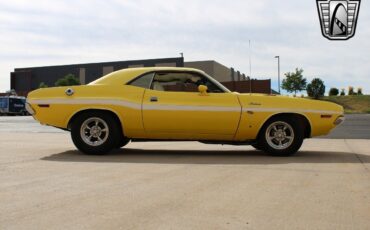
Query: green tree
[[316, 88], [68, 80], [294, 82], [43, 85], [333, 92]]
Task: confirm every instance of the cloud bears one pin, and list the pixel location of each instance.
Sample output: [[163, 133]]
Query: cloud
[[63, 32]]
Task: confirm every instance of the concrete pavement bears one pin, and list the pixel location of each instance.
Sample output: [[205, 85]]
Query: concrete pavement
[[46, 184], [26, 124]]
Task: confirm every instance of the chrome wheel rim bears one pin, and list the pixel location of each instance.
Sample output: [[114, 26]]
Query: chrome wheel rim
[[279, 135], [94, 131]]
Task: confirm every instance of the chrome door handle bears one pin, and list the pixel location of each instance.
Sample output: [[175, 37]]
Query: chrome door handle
[[154, 99]]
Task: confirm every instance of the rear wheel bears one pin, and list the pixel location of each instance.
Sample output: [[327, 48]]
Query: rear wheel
[[281, 136], [95, 132]]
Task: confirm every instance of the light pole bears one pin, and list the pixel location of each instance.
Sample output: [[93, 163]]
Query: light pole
[[278, 57]]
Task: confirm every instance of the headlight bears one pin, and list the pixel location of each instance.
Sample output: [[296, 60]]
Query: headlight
[[339, 120], [30, 109]]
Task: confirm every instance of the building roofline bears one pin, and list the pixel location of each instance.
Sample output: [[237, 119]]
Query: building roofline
[[209, 61], [164, 60], [201, 61]]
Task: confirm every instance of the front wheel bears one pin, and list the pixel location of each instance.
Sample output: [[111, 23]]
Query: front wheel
[[281, 136], [95, 133]]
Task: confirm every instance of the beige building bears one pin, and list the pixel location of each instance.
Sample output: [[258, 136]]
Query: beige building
[[217, 70]]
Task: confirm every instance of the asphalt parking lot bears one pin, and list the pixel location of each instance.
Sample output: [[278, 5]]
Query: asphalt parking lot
[[356, 126], [46, 184]]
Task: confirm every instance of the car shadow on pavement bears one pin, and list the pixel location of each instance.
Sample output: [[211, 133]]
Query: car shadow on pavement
[[222, 157]]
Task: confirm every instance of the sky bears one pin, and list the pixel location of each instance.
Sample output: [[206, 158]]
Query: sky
[[41, 33]]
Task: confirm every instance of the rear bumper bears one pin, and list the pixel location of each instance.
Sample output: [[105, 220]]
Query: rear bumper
[[29, 109]]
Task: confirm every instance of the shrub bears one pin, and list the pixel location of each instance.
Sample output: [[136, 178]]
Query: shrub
[[343, 92], [333, 92], [350, 91], [68, 80], [43, 85], [359, 91]]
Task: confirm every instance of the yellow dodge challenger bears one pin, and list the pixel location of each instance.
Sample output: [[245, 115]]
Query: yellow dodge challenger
[[179, 104]]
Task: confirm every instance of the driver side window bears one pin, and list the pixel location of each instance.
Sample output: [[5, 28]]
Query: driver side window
[[182, 82]]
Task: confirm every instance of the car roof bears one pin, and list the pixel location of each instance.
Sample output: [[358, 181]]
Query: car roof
[[126, 75]]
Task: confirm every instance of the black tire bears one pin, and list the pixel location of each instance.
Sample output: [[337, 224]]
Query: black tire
[[287, 129], [109, 137], [123, 142], [257, 146]]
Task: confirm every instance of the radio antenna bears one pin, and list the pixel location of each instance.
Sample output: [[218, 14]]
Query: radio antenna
[[250, 68]]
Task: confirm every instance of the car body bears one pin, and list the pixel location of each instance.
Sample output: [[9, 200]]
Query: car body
[[186, 104]]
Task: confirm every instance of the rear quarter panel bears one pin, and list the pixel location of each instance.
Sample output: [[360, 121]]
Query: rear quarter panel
[[124, 101]]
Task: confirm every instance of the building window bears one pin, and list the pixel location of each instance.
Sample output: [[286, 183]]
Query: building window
[[107, 70], [82, 76]]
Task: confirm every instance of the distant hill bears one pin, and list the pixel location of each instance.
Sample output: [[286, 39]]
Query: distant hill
[[352, 104]]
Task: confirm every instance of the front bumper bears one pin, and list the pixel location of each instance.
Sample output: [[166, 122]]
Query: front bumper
[[339, 120]]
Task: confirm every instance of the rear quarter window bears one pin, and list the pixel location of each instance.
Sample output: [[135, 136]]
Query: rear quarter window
[[143, 81]]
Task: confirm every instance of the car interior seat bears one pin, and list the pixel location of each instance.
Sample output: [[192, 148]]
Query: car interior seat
[[157, 86]]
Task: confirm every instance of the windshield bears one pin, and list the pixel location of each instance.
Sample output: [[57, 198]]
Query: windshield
[[3, 103], [217, 83]]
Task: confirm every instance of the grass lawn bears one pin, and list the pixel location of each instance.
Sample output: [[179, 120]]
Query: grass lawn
[[352, 104]]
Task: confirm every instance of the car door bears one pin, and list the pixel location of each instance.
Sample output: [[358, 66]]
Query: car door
[[173, 108]]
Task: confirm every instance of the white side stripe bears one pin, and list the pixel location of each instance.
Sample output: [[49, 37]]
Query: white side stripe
[[288, 110], [133, 105], [191, 108], [87, 102], [157, 107]]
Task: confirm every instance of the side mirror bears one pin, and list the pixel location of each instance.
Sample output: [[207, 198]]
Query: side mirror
[[202, 89]]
